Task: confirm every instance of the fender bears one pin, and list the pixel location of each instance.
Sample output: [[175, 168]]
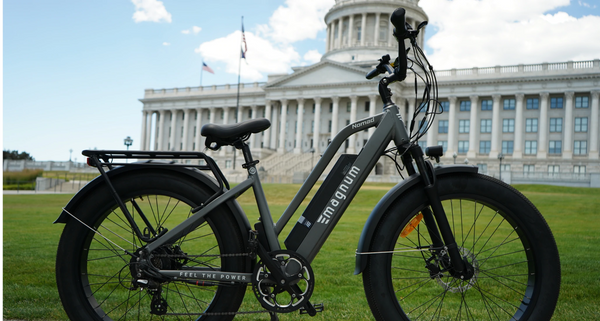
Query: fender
[[386, 201], [202, 178]]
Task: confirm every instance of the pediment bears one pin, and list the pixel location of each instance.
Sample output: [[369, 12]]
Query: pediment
[[323, 73]]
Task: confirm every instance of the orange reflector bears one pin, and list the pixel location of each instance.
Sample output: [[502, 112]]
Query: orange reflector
[[411, 225]]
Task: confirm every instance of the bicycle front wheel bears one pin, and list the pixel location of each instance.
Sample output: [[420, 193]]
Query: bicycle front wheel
[[502, 236], [97, 274]]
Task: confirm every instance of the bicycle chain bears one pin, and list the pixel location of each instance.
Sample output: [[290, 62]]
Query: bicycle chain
[[205, 255]]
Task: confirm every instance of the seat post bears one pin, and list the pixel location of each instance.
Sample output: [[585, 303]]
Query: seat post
[[247, 154]]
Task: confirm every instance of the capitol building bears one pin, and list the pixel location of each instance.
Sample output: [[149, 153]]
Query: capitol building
[[528, 123]]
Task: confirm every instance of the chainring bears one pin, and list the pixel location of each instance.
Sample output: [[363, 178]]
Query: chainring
[[272, 295]]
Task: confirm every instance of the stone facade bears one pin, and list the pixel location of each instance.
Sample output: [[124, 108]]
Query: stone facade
[[542, 118]]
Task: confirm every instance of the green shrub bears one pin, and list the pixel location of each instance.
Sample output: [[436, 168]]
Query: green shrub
[[20, 180]]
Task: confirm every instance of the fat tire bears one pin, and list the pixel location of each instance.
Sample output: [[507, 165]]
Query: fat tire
[[542, 277], [99, 207]]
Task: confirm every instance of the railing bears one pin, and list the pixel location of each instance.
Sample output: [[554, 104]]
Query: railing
[[543, 67], [212, 88]]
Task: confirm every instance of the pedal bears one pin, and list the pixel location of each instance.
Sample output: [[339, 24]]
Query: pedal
[[313, 309]]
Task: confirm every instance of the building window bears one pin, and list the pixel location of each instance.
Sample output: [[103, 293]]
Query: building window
[[486, 104], [555, 125], [509, 104], [445, 106], [508, 125], [422, 108], [314, 107], [486, 126], [228, 163], [505, 167], [348, 106], [295, 127], [580, 147], [465, 105], [423, 145], [331, 107], [553, 170], [249, 113], [528, 170], [533, 103], [482, 168], [507, 147], [367, 106], [582, 102], [444, 144], [581, 124], [531, 125], [485, 146], [222, 113], [423, 127], [579, 169], [530, 147], [443, 127], [556, 102], [463, 125], [463, 146], [329, 131], [555, 147]]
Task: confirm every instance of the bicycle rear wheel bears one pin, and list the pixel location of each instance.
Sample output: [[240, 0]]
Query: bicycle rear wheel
[[498, 232], [96, 277]]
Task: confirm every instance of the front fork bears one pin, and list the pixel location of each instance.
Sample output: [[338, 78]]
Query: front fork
[[442, 238]]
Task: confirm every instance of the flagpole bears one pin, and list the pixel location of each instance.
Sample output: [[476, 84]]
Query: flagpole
[[237, 104], [201, 71]]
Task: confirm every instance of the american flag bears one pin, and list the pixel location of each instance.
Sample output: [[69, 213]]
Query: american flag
[[207, 68], [244, 45]]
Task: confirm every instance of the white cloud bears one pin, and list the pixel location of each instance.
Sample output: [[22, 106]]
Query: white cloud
[[195, 30], [297, 20], [263, 57], [312, 56], [502, 32], [166, 44], [270, 48], [150, 10]]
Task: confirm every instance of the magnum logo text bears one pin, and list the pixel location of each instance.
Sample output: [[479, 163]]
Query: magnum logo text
[[340, 195]]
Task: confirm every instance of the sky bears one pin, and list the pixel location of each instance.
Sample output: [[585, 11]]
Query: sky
[[74, 71]]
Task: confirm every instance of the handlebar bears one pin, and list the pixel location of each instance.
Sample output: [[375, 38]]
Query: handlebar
[[398, 19]]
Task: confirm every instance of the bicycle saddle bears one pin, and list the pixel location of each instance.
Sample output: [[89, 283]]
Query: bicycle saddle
[[225, 135]]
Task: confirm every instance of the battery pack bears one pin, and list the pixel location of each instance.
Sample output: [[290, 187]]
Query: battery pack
[[319, 201]]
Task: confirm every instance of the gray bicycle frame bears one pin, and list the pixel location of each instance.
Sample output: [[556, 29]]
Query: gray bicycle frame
[[389, 126]]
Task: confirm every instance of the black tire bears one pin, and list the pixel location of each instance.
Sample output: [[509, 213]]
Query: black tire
[[502, 235], [94, 276]]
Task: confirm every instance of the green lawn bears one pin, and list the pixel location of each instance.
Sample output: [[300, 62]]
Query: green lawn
[[30, 241]]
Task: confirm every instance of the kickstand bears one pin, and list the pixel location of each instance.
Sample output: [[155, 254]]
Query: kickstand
[[274, 316]]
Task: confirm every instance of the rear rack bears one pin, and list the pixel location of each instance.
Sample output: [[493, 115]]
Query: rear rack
[[104, 158]]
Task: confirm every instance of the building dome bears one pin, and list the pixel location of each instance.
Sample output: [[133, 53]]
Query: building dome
[[359, 31]]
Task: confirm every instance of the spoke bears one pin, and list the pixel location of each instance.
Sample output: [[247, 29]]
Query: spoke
[[422, 285], [490, 237], [510, 288], [494, 302], [499, 267]]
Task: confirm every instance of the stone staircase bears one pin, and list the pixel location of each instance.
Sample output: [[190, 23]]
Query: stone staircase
[[290, 163]]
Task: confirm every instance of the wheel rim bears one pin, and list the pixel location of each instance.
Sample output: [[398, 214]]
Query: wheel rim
[[504, 271], [106, 270]]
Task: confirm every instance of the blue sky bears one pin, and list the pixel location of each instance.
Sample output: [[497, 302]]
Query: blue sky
[[74, 70]]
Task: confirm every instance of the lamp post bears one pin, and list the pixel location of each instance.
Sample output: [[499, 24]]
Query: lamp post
[[454, 156], [500, 158], [128, 142]]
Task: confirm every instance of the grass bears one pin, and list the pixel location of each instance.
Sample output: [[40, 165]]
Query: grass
[[573, 214]]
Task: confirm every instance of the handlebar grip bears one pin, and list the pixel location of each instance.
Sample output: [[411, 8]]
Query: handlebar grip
[[373, 73], [398, 19]]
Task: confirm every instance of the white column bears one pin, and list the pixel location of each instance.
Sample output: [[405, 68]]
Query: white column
[[274, 123], [334, 116], [452, 127], [543, 128], [173, 129], [339, 34], [299, 125], [281, 148], [240, 114], [253, 137], [594, 125], [352, 138], [143, 134], [186, 121], [376, 29], [198, 128], [390, 33], [149, 130], [327, 40], [161, 129], [225, 122], [567, 152], [363, 28], [473, 143], [317, 125], [518, 151], [496, 147], [350, 30], [267, 134], [372, 108]]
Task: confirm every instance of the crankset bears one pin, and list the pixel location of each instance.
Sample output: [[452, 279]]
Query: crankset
[[288, 293]]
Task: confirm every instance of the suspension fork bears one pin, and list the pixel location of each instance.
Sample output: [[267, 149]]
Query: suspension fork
[[439, 214]]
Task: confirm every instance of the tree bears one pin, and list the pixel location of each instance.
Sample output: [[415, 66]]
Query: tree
[[14, 154]]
